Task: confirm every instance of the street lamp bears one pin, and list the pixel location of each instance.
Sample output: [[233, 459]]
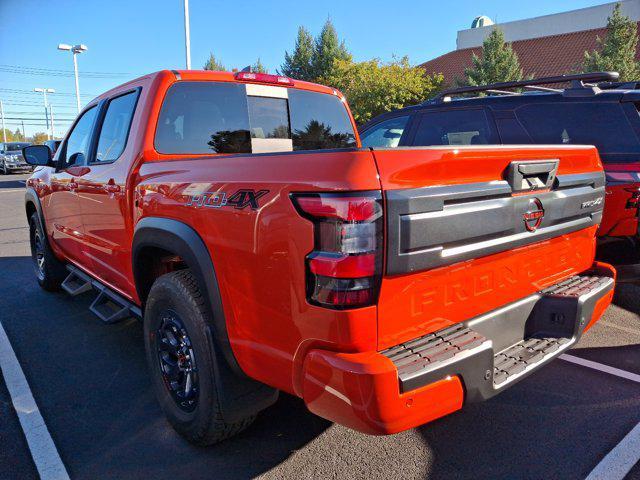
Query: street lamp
[[44, 92], [75, 50]]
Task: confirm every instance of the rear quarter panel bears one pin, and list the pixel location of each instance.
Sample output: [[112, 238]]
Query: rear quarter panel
[[258, 254]]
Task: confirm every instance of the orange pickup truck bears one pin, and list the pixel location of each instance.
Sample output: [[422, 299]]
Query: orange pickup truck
[[238, 216]]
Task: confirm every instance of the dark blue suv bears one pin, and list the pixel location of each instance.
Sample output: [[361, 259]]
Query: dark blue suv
[[591, 109]]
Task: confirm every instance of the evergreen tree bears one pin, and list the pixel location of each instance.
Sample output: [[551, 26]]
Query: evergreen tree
[[499, 63], [617, 51], [213, 64], [298, 65], [258, 67], [327, 50]]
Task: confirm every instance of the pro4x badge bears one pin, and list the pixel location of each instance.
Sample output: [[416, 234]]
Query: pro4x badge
[[243, 198]]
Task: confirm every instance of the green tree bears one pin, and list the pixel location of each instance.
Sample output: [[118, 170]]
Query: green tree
[[327, 50], [213, 64], [374, 87], [299, 64], [499, 63], [18, 136], [39, 137], [617, 51], [258, 67]]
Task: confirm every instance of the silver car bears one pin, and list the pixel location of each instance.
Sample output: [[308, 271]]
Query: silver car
[[11, 159]]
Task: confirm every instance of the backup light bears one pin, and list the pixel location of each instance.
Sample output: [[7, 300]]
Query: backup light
[[345, 267]]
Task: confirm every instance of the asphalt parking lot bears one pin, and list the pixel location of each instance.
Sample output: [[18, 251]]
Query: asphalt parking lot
[[90, 383]]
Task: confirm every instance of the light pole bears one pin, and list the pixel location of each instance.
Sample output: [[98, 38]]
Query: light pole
[[4, 132], [46, 106], [75, 50], [187, 37]]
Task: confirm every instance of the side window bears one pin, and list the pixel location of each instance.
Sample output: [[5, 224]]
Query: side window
[[386, 133], [604, 125], [78, 140], [455, 127], [115, 127]]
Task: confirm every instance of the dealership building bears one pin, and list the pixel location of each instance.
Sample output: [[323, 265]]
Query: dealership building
[[547, 45]]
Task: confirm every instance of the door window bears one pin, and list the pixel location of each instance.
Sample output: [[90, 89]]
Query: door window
[[115, 127], [604, 125], [79, 140], [385, 134], [455, 127]]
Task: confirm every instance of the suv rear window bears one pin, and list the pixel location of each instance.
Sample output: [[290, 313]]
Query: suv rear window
[[604, 125], [455, 127], [215, 117]]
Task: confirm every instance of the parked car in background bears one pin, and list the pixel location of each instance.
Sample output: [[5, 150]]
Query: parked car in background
[[604, 114], [53, 145], [11, 159], [237, 215]]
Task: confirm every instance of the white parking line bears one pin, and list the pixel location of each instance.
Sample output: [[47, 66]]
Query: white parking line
[[619, 461], [600, 367], [43, 450]]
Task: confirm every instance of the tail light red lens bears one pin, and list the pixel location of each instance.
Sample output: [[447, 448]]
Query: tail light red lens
[[264, 78], [344, 269], [634, 201]]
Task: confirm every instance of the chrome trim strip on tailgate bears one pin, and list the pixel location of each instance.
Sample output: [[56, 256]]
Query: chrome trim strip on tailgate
[[432, 227]]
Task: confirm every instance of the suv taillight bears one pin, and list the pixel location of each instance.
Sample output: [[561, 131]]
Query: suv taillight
[[634, 201], [345, 267]]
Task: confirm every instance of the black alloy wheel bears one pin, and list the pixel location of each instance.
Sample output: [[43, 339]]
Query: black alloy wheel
[[177, 361]]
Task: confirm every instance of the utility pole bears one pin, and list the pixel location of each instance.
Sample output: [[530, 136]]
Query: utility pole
[[46, 107], [24, 133], [53, 130], [187, 39], [4, 132], [76, 49]]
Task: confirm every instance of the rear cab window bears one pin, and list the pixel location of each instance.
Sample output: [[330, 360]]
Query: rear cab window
[[218, 117]]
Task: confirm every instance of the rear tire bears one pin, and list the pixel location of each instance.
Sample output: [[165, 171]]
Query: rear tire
[[181, 359], [49, 271]]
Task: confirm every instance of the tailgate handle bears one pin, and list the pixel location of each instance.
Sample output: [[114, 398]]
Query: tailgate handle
[[532, 174]]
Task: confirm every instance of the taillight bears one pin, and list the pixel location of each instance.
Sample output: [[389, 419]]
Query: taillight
[[264, 78], [634, 201], [344, 269]]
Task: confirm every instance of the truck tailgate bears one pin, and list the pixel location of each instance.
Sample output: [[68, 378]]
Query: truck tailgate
[[471, 229]]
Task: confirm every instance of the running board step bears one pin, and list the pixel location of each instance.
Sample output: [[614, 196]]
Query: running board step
[[108, 306], [76, 283]]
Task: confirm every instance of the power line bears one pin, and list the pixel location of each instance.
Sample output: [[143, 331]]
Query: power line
[[17, 69], [19, 91]]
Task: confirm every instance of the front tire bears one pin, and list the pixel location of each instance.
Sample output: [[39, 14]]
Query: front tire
[[49, 271], [181, 359]]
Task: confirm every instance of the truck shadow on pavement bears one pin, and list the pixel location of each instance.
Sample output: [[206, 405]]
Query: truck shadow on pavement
[[627, 296], [91, 384], [6, 183]]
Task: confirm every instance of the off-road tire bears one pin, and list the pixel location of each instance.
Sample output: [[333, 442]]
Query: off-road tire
[[179, 292], [51, 272]]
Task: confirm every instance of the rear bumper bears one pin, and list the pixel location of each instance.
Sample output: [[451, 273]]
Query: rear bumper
[[418, 381]]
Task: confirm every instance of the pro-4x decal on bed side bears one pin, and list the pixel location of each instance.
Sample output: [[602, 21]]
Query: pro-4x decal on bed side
[[245, 197]]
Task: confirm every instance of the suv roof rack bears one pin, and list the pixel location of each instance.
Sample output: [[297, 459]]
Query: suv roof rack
[[577, 82]]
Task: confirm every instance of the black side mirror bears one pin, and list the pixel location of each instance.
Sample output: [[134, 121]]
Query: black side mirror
[[38, 155], [77, 159]]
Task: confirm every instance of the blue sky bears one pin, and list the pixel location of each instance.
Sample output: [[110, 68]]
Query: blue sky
[[129, 38]]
